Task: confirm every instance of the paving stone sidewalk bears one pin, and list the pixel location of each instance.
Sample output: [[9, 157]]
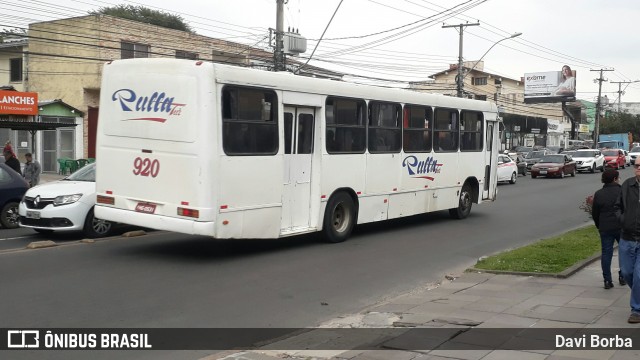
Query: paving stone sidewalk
[[481, 302]]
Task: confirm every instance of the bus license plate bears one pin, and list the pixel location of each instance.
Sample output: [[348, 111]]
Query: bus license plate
[[33, 214], [146, 208], [543, 172]]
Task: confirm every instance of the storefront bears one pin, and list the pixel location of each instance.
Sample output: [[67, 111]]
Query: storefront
[[48, 129], [523, 131]]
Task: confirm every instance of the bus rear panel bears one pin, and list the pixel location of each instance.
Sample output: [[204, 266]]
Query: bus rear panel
[[151, 134]]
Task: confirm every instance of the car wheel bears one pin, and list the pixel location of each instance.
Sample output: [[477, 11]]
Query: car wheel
[[623, 165], [514, 176], [464, 204], [533, 176], [96, 228], [593, 168], [339, 218], [562, 174], [9, 216], [573, 172], [602, 168]]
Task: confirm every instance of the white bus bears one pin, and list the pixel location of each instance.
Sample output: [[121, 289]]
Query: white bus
[[232, 152]]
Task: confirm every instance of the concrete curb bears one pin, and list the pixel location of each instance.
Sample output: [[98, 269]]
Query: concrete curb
[[561, 275]]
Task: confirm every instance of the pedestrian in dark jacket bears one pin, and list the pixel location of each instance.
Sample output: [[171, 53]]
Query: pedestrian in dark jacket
[[604, 216], [628, 212], [12, 162]]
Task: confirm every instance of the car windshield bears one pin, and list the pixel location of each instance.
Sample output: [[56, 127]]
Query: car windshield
[[585, 153], [635, 149], [535, 154], [86, 173], [523, 149], [610, 152], [552, 159]]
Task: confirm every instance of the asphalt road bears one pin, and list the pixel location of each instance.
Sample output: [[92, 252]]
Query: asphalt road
[[172, 280]]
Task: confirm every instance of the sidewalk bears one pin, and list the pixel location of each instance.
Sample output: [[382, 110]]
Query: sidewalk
[[480, 302], [48, 177]]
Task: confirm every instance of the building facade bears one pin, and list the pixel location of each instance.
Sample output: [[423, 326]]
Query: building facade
[[525, 124]]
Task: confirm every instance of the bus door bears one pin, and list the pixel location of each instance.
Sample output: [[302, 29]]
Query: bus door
[[491, 159], [299, 124]]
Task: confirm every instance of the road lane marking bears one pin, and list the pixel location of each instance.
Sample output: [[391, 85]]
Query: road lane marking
[[15, 238]]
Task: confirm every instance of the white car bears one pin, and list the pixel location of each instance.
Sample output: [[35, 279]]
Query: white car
[[64, 205], [634, 153], [627, 157], [507, 169], [588, 160]]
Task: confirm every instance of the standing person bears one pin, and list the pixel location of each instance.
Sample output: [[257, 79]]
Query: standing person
[[604, 217], [628, 212], [9, 148], [568, 85], [11, 161], [32, 170]]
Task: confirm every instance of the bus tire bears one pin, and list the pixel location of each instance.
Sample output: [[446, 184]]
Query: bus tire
[[339, 218], [464, 204]]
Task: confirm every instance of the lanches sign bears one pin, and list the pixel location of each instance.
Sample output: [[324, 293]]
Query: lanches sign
[[18, 103]]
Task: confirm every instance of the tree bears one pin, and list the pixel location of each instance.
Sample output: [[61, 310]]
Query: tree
[[616, 123], [145, 15]]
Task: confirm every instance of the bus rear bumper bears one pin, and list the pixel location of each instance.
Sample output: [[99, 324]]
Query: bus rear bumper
[[157, 222]]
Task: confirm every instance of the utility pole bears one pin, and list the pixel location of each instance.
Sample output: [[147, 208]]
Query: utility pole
[[459, 77], [596, 127], [620, 92], [278, 53]]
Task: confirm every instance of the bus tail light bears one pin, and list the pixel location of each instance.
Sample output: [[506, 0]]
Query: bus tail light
[[109, 200], [188, 212]]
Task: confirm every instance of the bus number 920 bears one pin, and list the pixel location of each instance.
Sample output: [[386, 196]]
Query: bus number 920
[[146, 167]]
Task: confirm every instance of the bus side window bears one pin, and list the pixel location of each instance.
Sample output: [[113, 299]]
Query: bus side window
[[446, 130], [249, 125], [345, 117], [417, 128]]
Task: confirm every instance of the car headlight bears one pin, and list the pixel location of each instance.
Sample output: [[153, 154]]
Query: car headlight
[[66, 199]]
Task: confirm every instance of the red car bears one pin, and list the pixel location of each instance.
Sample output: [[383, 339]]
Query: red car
[[614, 158], [554, 165]]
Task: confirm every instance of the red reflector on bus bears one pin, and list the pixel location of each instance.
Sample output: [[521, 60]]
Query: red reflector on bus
[[198, 63], [359, 193], [385, 201], [109, 192], [184, 203], [188, 212], [101, 199], [395, 189], [225, 222], [323, 197], [223, 207], [146, 151]]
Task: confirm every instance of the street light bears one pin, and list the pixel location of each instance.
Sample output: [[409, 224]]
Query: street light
[[461, 80]]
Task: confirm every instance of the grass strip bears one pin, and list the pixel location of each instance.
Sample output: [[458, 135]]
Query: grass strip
[[552, 255]]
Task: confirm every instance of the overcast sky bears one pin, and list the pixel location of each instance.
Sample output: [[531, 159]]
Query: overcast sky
[[584, 34]]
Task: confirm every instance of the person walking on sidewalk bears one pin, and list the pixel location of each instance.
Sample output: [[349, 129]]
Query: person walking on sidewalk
[[11, 161], [628, 212], [32, 170], [604, 216]]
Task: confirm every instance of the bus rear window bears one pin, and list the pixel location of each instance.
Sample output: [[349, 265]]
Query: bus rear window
[[249, 121]]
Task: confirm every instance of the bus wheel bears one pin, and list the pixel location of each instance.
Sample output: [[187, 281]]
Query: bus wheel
[[339, 218], [464, 204]]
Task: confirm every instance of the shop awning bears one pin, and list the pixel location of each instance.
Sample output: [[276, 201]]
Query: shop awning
[[32, 125]]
